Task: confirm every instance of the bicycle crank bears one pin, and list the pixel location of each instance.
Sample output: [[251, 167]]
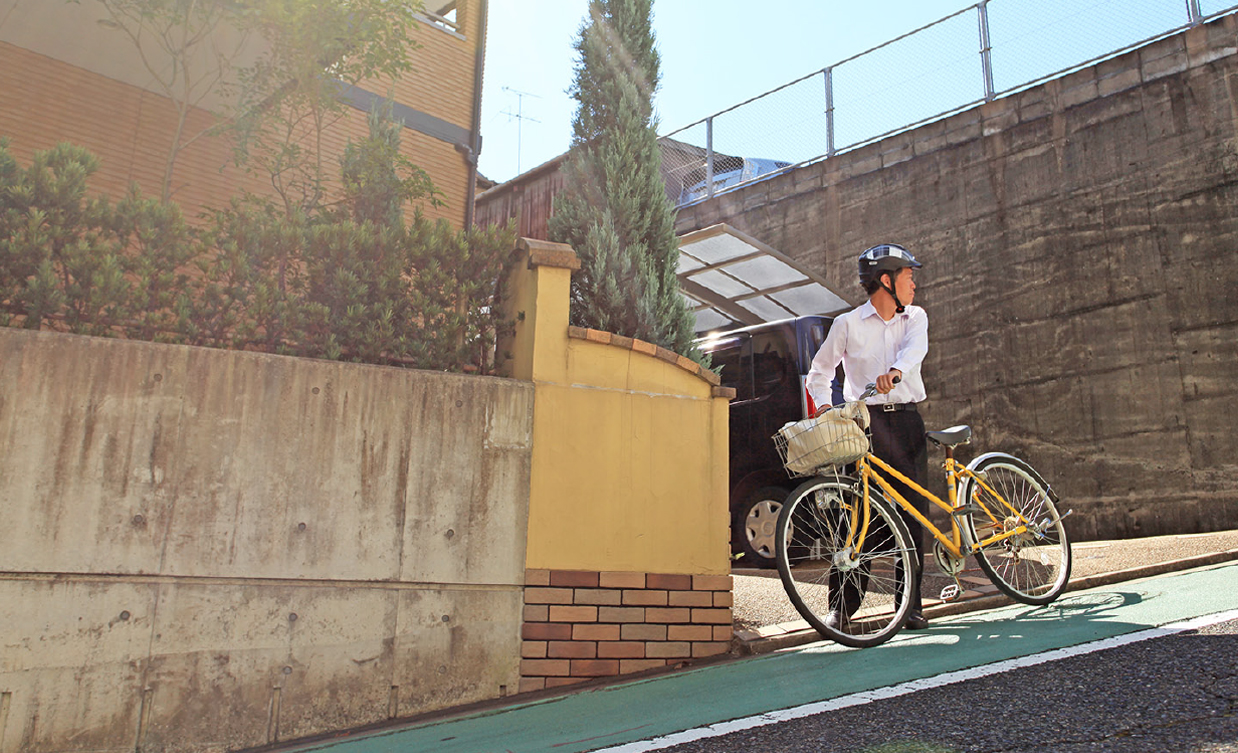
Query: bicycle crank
[[947, 563]]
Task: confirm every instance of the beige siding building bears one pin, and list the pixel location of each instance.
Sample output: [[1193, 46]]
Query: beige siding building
[[67, 74]]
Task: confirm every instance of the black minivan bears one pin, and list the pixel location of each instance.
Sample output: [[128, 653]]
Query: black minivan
[[766, 364]]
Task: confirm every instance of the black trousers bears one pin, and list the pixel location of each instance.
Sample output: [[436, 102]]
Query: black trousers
[[898, 439]]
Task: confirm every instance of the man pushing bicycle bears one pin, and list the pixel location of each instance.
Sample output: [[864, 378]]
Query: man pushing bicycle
[[883, 342]]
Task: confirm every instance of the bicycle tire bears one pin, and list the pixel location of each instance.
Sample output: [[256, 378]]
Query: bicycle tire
[[817, 571], [1032, 568]]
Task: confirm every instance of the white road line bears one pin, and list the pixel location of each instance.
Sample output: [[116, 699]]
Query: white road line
[[893, 691]]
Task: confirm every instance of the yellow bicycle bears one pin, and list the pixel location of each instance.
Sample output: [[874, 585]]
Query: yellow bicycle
[[842, 548]]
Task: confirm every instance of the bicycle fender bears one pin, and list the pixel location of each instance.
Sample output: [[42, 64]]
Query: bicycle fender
[[1016, 461]]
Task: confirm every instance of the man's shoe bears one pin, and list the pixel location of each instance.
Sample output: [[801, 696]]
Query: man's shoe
[[916, 621], [836, 620]]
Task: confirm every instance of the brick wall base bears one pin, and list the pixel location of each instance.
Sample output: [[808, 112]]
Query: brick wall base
[[581, 625]]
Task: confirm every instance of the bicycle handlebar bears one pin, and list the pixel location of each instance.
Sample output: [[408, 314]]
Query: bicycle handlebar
[[871, 389]]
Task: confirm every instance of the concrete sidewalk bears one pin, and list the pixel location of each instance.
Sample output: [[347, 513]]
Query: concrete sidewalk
[[766, 621]]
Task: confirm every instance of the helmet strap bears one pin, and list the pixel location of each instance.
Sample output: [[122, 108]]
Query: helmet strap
[[898, 305]]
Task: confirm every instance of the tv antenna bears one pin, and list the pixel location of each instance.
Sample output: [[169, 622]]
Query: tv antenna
[[520, 118]]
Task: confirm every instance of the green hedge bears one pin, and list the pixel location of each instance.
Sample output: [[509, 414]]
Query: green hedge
[[416, 293]]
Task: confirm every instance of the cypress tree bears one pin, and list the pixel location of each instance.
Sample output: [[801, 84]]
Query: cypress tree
[[613, 210]]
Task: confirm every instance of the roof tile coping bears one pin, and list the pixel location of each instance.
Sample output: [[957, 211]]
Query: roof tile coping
[[662, 354]]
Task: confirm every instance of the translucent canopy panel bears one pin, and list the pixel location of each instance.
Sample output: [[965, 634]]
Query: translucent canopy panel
[[731, 279]]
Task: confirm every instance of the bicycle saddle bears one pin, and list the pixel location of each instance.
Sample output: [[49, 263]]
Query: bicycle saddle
[[952, 437]]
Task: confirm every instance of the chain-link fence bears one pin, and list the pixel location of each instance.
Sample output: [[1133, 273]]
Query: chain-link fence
[[982, 52]]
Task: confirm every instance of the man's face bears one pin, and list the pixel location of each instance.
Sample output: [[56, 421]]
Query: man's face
[[905, 285]]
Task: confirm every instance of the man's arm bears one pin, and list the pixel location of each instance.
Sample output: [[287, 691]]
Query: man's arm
[[825, 363], [914, 345]]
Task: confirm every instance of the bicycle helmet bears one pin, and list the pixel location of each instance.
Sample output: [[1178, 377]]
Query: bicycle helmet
[[885, 257]]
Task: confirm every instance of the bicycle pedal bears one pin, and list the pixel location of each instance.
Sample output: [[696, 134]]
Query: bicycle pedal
[[950, 592]]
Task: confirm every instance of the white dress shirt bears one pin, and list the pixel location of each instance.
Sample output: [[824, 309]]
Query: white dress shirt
[[869, 346]]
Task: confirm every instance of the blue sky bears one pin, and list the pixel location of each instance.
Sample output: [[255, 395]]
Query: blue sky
[[715, 54], [719, 53]]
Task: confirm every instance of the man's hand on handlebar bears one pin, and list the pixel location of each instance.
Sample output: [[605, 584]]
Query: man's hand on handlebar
[[886, 381], [893, 377]]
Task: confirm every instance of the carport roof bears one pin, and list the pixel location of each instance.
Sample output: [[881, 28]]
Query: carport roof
[[732, 279]]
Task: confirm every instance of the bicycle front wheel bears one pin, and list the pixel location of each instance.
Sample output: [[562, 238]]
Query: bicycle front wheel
[[1033, 566], [857, 596]]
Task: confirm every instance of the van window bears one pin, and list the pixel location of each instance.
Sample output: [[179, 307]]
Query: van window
[[735, 370], [813, 335], [772, 362]]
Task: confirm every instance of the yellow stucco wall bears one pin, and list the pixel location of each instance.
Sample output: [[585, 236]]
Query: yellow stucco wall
[[630, 442]]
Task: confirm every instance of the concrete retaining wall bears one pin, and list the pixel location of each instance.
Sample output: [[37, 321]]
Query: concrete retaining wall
[[209, 550], [1079, 246]]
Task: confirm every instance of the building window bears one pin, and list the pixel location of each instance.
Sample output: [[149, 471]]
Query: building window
[[445, 16]]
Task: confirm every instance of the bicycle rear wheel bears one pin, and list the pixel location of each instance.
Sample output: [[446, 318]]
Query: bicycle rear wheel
[[1031, 567], [868, 591]]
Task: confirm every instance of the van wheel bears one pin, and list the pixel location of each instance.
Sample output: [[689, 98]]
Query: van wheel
[[756, 521]]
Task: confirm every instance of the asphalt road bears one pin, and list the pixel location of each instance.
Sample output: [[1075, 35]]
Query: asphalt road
[[1173, 693]]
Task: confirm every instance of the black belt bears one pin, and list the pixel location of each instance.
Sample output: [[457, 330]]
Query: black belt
[[890, 407]]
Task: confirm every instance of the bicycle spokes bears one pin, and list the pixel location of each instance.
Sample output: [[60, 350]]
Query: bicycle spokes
[[1020, 540], [850, 585]]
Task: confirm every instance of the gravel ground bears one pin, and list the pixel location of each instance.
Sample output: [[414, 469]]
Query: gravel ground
[[761, 601]]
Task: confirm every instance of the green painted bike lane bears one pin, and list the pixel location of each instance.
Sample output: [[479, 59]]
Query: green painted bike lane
[[643, 709]]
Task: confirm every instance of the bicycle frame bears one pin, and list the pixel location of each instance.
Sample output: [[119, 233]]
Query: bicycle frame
[[958, 543]]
